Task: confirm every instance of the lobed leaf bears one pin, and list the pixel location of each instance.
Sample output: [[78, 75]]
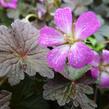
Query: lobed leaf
[[73, 73], [69, 92], [5, 97], [19, 52]]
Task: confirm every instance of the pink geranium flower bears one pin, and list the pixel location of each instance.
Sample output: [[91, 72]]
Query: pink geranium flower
[[100, 68], [8, 3], [68, 39]]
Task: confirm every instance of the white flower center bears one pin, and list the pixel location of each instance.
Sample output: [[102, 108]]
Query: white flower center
[[70, 39]]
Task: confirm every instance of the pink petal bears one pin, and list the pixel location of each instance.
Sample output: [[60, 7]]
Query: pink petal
[[105, 56], [95, 72], [104, 80], [86, 25], [63, 19], [9, 4], [50, 37], [57, 57], [80, 55], [96, 59]]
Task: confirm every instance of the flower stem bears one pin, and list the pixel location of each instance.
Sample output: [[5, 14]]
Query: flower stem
[[95, 94], [30, 16], [3, 80]]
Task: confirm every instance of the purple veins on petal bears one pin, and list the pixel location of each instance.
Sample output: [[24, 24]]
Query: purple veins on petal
[[57, 57], [86, 25], [80, 55], [63, 19], [50, 37]]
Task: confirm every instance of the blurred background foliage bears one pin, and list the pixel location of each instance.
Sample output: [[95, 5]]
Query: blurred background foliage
[[28, 94]]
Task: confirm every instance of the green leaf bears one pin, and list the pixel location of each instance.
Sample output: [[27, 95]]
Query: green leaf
[[58, 90], [74, 74], [105, 30], [99, 47], [13, 14], [86, 89], [106, 1], [69, 92], [92, 40]]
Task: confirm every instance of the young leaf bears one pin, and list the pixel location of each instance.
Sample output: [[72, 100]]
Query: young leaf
[[74, 74]]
